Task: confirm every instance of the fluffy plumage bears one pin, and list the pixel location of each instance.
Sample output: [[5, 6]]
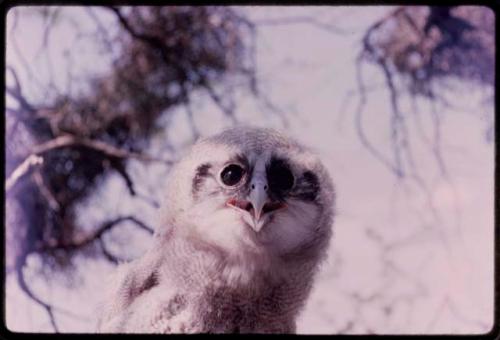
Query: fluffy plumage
[[246, 220]]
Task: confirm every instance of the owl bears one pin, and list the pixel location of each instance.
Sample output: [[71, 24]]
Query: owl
[[245, 223]]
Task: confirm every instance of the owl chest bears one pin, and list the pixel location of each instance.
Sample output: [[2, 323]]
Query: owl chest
[[227, 312]]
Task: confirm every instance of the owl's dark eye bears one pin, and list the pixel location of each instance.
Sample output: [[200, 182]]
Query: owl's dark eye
[[232, 174], [280, 176]]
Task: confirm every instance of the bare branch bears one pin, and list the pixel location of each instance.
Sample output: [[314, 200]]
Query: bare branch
[[302, 20], [358, 121], [45, 191], [50, 309], [20, 54], [17, 93], [100, 27], [27, 290], [109, 150], [152, 202], [22, 169], [120, 168], [130, 29], [110, 257], [17, 83], [49, 20], [151, 40]]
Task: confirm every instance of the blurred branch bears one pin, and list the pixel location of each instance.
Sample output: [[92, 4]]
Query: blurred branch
[[109, 150], [368, 48], [22, 169], [95, 235], [49, 308], [17, 84], [228, 110], [49, 22], [120, 168], [151, 40], [448, 304], [68, 140], [45, 191], [301, 20], [358, 121], [110, 257], [124, 22], [27, 290], [100, 28], [189, 111], [16, 91], [19, 53]]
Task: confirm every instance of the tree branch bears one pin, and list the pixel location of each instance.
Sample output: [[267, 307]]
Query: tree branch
[[109, 150], [151, 40], [358, 121], [22, 169], [110, 257], [301, 20], [50, 309], [27, 290], [45, 191], [88, 239]]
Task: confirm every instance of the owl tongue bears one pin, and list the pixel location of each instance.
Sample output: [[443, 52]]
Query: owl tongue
[[242, 204]]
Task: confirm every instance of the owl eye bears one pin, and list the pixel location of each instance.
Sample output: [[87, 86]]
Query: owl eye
[[232, 174], [280, 176]]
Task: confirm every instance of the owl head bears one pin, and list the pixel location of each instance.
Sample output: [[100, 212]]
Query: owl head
[[250, 190]]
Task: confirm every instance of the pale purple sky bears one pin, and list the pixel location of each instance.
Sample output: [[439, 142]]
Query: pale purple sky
[[436, 273]]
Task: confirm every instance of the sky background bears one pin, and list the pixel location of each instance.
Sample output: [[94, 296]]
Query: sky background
[[393, 266]]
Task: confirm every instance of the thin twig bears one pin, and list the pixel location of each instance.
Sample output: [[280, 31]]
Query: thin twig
[[110, 257], [301, 20], [27, 290], [122, 171], [358, 121]]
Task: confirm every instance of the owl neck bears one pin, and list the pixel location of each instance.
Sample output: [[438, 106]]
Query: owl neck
[[197, 263]]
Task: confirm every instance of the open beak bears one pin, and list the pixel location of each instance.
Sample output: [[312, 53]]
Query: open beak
[[257, 205], [258, 198]]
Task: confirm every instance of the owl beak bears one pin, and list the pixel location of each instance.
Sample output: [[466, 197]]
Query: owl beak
[[261, 204], [256, 206], [258, 197]]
